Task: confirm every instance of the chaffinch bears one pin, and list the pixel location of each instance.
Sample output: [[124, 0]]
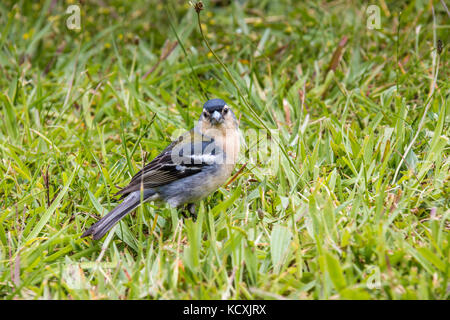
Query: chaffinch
[[189, 169]]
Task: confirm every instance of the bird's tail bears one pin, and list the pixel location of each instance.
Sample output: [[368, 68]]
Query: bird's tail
[[131, 202]]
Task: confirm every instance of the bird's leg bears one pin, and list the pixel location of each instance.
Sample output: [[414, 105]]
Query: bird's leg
[[191, 209]]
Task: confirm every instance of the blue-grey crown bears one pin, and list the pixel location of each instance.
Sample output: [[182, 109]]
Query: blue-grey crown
[[214, 105]]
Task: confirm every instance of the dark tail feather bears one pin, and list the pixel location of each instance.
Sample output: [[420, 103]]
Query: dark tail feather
[[101, 227]]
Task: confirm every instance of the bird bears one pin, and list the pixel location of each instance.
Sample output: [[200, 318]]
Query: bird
[[193, 166]]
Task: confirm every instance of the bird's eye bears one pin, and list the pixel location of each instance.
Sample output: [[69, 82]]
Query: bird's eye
[[225, 110], [205, 114]]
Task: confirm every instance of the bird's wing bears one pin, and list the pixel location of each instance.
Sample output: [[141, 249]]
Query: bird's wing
[[186, 156]]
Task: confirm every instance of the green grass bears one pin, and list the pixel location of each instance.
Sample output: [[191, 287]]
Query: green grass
[[356, 207]]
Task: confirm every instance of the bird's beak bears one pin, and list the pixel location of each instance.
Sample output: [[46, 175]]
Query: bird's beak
[[216, 117]]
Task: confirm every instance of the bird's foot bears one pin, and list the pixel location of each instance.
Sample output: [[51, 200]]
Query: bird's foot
[[190, 207]]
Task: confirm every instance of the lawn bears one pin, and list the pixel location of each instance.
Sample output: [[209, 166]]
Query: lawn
[[342, 189]]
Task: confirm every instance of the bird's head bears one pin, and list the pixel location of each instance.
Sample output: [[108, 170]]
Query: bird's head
[[216, 114]]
